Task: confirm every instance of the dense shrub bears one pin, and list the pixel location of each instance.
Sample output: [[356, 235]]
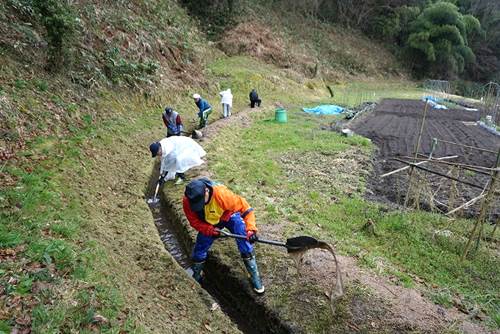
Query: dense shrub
[[60, 23]]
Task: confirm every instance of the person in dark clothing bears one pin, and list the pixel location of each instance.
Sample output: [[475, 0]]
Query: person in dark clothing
[[254, 99], [172, 122]]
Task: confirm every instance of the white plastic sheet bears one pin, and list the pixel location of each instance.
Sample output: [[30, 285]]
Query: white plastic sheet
[[179, 154]]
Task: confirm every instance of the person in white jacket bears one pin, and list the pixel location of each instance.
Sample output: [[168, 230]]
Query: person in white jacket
[[177, 155], [227, 102]]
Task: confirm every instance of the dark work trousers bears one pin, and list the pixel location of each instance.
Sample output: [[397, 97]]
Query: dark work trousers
[[253, 102]]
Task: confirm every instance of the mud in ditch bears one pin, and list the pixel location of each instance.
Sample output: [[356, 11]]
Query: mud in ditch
[[394, 127], [166, 228], [234, 297]]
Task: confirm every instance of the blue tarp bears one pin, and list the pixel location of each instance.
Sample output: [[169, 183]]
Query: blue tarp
[[326, 109], [433, 101], [432, 98]]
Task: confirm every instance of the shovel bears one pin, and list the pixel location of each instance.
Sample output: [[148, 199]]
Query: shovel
[[155, 198], [296, 244]]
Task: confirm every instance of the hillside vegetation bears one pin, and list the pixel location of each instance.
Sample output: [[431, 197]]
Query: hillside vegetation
[[50, 86], [441, 39]]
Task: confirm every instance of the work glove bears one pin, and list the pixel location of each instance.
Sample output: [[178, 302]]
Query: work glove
[[214, 233], [252, 236], [161, 181]]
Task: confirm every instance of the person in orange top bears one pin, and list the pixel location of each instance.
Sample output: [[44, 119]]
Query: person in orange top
[[209, 206]]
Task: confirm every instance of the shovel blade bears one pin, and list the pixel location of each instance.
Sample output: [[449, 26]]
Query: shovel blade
[[301, 243], [153, 201]]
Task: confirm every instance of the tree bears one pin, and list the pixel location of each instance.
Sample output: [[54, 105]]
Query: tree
[[438, 42], [486, 46]]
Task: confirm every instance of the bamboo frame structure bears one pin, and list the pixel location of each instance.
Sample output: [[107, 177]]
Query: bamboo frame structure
[[488, 191], [484, 208], [417, 148], [438, 173], [463, 145], [418, 163]]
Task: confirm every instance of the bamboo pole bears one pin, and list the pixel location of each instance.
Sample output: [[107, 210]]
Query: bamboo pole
[[433, 148], [440, 174], [463, 145], [418, 163], [417, 147], [484, 208], [465, 205], [424, 157], [455, 172]]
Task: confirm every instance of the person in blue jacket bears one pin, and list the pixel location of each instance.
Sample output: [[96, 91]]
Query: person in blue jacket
[[205, 109]]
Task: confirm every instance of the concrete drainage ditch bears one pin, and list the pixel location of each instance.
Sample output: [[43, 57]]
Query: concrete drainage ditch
[[234, 295]]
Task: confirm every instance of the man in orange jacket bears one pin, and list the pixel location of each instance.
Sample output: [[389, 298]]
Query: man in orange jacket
[[210, 206]]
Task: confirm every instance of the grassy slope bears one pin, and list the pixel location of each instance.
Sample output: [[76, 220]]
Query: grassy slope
[[300, 43], [148, 47], [303, 180], [84, 239], [76, 237]]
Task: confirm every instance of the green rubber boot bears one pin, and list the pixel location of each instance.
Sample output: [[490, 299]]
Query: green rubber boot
[[252, 269]]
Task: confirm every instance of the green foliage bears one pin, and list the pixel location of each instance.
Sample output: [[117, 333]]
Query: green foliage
[[385, 26], [20, 83], [122, 71], [438, 40], [60, 23], [42, 85], [472, 25], [442, 297], [4, 327]]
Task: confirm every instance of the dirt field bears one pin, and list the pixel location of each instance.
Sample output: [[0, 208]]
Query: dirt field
[[394, 127]]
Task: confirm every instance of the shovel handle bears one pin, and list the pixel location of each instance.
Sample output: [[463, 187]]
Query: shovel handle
[[263, 241]]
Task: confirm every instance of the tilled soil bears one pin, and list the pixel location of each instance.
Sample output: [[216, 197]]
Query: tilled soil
[[394, 128]]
